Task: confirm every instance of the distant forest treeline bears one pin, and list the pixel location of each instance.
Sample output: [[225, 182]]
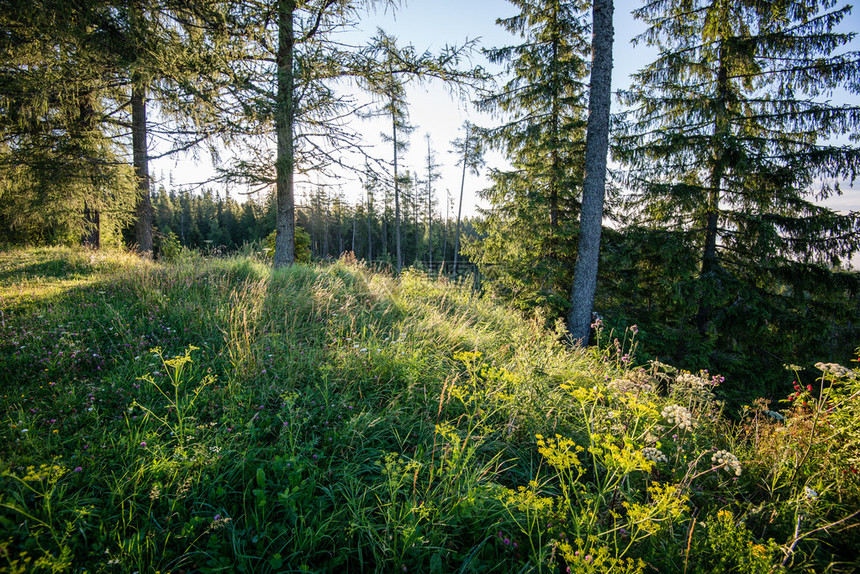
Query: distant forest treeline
[[213, 223]]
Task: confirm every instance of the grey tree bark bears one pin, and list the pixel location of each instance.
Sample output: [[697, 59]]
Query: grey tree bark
[[396, 194], [285, 227], [140, 161], [594, 185]]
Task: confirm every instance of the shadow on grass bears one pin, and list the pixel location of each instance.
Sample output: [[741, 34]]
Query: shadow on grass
[[46, 263]]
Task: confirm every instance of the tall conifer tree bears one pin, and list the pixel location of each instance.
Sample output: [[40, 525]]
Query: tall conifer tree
[[433, 176], [389, 87], [729, 147], [59, 164], [470, 153], [529, 237], [168, 54], [111, 58], [282, 88]]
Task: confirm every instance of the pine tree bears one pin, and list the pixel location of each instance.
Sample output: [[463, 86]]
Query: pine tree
[[281, 87], [412, 192], [371, 185], [170, 54], [294, 43], [729, 146], [529, 237], [447, 224], [163, 211], [285, 105], [112, 57], [391, 88]]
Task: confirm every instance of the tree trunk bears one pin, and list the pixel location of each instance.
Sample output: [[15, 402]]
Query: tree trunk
[[385, 233], [92, 236], [325, 230], [92, 239], [310, 208], [429, 209], [285, 225], [447, 217], [460, 207], [339, 230], [416, 206], [143, 208], [596, 150], [385, 204], [369, 228], [396, 192], [718, 169], [554, 126]]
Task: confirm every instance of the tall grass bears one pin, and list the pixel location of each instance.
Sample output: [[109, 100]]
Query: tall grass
[[213, 415]]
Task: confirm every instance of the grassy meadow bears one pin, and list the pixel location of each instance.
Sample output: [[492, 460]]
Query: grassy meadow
[[213, 415]]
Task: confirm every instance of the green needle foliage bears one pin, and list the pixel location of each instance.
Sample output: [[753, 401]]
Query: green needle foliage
[[528, 242], [77, 77], [732, 140], [59, 161]]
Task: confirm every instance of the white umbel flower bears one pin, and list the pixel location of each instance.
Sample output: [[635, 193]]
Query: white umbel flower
[[728, 461], [678, 415], [652, 453], [834, 369]]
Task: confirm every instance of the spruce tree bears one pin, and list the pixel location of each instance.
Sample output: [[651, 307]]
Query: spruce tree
[[105, 60], [169, 54], [60, 166], [730, 144], [529, 232]]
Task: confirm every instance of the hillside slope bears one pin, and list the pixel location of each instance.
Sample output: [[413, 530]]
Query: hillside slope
[[213, 415]]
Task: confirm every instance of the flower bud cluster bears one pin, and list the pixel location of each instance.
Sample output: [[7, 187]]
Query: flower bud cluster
[[800, 393], [728, 461], [652, 453], [690, 385], [678, 415]]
